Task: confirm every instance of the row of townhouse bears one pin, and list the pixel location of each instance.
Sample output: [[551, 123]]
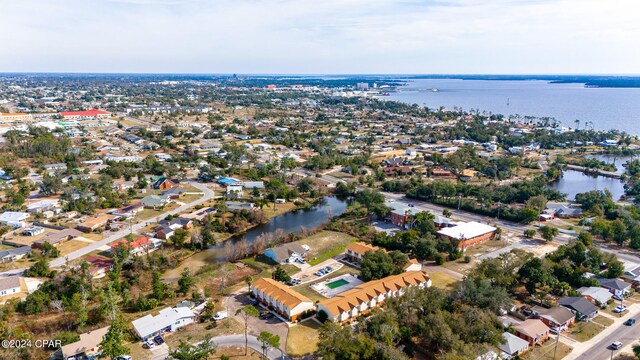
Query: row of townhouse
[[343, 308]]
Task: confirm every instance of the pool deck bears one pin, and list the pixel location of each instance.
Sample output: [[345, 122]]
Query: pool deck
[[326, 291]]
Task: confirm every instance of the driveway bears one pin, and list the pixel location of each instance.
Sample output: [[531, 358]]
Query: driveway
[[274, 325]]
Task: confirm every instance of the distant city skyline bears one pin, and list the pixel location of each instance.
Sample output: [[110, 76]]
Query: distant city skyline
[[321, 37]]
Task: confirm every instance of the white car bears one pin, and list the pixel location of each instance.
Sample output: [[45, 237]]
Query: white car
[[616, 345], [221, 315], [619, 309], [150, 343]]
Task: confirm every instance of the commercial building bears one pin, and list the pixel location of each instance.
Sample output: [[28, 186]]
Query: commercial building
[[285, 301], [363, 298], [85, 115], [15, 117], [468, 234]]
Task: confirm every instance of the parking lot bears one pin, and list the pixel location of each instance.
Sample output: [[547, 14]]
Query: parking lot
[[274, 325], [309, 274]]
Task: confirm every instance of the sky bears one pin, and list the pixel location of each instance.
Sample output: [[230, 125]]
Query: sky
[[321, 36]]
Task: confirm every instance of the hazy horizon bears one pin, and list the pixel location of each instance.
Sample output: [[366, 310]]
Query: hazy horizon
[[307, 37]]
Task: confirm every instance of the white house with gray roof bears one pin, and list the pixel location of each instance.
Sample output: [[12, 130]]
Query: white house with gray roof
[[168, 320]]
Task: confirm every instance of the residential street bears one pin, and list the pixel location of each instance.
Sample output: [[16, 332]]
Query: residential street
[[598, 347], [208, 194], [230, 340]]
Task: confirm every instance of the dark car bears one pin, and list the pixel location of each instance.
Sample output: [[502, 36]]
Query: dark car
[[630, 322], [158, 340]]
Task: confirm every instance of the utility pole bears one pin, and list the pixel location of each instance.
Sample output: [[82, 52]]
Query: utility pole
[[556, 347]]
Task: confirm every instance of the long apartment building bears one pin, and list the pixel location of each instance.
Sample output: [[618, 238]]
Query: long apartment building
[[363, 298], [285, 301]]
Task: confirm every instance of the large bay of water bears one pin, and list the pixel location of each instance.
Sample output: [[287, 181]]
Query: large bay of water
[[606, 108]]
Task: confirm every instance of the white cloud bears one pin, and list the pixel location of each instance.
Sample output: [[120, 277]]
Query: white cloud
[[329, 36]]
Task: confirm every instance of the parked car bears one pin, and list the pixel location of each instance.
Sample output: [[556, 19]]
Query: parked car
[[221, 315], [150, 344], [619, 309], [124, 357], [616, 345], [630, 322], [158, 340]]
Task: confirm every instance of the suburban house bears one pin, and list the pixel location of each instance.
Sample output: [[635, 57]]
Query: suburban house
[[129, 210], [581, 307], [532, 330], [596, 295], [174, 193], [168, 320], [56, 238], [360, 300], [177, 223], [88, 347], [9, 285], [234, 191], [139, 246], [513, 345], [99, 265], [93, 223], [238, 205], [33, 231], [617, 287], [10, 255], [632, 274], [557, 318], [164, 183], [42, 206], [355, 251], [154, 201], [467, 234], [285, 253], [285, 301], [250, 185], [14, 219], [562, 210]]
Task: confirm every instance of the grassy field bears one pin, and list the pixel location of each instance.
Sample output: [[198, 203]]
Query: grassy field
[[325, 245], [583, 331], [442, 280], [602, 320], [303, 338], [546, 351]]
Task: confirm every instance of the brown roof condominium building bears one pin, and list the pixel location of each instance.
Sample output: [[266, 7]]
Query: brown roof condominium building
[[363, 298], [285, 301]]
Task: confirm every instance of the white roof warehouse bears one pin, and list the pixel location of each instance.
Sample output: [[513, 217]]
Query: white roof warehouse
[[169, 319]]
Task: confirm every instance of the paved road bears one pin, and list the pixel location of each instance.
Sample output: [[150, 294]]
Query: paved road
[[599, 345], [208, 194], [233, 340]]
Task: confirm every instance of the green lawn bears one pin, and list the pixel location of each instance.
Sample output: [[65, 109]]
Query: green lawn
[[325, 255]]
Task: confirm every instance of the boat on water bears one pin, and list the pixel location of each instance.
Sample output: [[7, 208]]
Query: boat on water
[[434, 90]]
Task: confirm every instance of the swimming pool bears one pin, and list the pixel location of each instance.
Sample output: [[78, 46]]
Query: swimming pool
[[337, 283]]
